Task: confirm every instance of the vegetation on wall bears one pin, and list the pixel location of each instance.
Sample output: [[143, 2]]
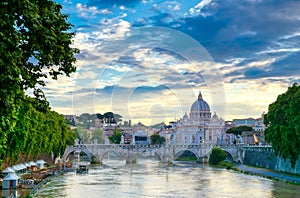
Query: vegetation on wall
[[283, 124]]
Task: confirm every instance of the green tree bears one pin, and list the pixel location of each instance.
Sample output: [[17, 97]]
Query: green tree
[[238, 130], [98, 135], [283, 124], [109, 118], [157, 139], [217, 155], [37, 132], [82, 134], [35, 43], [116, 136]]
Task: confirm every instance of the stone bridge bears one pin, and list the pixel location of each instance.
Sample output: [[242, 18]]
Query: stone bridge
[[166, 153]]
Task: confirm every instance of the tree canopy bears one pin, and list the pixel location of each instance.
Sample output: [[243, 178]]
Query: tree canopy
[[238, 130], [283, 124], [35, 44], [37, 132], [116, 136], [217, 155], [157, 139]]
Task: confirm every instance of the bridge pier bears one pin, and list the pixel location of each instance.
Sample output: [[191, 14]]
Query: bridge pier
[[168, 155], [131, 156], [76, 159]]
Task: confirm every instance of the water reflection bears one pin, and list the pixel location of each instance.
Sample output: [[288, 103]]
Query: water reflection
[[149, 178]]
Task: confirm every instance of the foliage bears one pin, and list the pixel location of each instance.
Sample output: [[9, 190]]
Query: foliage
[[35, 43], [38, 132], [70, 122], [238, 130], [227, 165], [157, 139], [217, 155], [98, 135], [88, 120], [116, 136], [110, 117], [186, 158], [82, 134], [283, 124]]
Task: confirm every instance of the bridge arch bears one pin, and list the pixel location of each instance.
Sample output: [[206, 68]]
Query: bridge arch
[[229, 155], [179, 152], [72, 150], [120, 152]]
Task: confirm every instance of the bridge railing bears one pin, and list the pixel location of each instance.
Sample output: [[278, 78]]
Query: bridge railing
[[137, 146]]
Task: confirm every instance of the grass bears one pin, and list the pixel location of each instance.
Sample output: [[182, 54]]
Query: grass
[[186, 159], [227, 165]]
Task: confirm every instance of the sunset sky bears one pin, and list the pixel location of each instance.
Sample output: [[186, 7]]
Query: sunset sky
[[147, 60]]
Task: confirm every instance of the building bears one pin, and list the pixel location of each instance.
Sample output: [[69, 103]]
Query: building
[[249, 139], [140, 137], [10, 181], [200, 126], [256, 124]]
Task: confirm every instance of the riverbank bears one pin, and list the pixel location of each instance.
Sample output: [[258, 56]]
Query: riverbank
[[42, 183], [271, 174]]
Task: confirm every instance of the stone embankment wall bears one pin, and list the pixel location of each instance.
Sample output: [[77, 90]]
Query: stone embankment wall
[[267, 159]]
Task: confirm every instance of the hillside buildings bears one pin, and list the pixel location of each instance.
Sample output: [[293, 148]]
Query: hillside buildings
[[198, 126]]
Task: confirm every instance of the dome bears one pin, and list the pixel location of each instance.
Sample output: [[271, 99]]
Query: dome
[[200, 105]]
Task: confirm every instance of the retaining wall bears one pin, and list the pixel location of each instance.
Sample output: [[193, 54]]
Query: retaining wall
[[267, 159]]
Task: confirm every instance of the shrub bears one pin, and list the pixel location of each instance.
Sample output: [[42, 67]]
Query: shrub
[[217, 155]]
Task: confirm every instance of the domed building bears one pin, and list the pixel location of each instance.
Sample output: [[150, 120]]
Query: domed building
[[200, 110], [199, 127]]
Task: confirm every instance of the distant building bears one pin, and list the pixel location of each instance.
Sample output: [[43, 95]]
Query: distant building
[[140, 137], [199, 127], [256, 124], [248, 137]]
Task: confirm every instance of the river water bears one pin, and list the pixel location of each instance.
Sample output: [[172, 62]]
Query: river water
[[150, 178]]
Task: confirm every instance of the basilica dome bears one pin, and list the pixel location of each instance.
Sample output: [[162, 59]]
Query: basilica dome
[[200, 105]]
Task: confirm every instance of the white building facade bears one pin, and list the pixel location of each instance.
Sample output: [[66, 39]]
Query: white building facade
[[199, 127]]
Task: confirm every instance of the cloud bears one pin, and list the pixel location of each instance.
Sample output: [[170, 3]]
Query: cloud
[[198, 8], [86, 75], [112, 3], [254, 45]]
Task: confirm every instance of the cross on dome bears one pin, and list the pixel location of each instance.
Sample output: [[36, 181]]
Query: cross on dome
[[200, 96]]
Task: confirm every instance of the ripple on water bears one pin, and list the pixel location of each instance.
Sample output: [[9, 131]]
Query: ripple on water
[[150, 179]]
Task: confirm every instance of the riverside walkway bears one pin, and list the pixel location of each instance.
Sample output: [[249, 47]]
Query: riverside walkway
[[269, 173]]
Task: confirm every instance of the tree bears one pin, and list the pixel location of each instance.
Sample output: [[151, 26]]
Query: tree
[[157, 139], [98, 135], [238, 130], [283, 124], [82, 134], [109, 118], [35, 43], [217, 155], [116, 136], [37, 132]]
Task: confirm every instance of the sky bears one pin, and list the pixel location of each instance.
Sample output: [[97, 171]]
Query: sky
[[147, 60]]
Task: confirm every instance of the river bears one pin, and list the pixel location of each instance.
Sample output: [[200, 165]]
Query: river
[[150, 178]]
